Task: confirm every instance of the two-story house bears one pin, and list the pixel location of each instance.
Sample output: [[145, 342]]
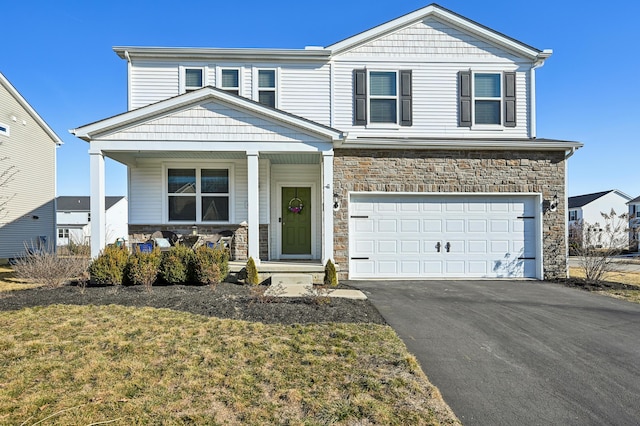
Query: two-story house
[[587, 210], [73, 217], [27, 176], [408, 150]]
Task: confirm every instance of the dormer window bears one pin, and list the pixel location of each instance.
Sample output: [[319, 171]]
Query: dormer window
[[193, 79], [230, 81]]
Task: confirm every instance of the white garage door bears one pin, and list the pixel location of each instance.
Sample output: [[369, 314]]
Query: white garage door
[[412, 236]]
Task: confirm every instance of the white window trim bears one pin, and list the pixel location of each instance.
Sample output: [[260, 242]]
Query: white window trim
[[255, 83], [219, 79], [182, 77], [230, 167], [377, 125], [6, 132], [492, 127]]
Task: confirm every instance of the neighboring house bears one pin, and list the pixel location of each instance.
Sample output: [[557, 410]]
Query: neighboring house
[[634, 224], [74, 218], [588, 208], [27, 175], [408, 150]]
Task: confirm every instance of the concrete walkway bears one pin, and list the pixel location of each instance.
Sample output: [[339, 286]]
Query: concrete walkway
[[520, 352], [300, 285]]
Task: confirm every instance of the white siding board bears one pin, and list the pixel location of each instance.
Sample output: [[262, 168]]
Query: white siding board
[[146, 194], [211, 122], [305, 91], [152, 82]]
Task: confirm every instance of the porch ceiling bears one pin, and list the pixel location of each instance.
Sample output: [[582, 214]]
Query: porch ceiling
[[130, 158]]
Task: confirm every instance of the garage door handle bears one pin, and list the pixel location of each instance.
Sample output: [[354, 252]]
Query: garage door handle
[[359, 258], [438, 246], [447, 246]]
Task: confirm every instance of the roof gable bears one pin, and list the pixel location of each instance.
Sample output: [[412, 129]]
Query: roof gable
[[583, 200], [436, 13], [23, 102], [216, 107]]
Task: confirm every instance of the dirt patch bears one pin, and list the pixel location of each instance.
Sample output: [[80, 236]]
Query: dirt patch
[[232, 301]]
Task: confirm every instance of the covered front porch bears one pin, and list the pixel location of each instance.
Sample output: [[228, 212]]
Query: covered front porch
[[208, 161]]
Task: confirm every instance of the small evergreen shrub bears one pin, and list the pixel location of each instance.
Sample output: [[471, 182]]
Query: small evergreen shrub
[[206, 269], [330, 275], [252, 273], [176, 266], [143, 268], [221, 257], [108, 268]]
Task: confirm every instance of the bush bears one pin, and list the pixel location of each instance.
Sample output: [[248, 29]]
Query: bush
[[108, 268], [330, 275], [206, 269], [176, 266], [143, 268], [252, 273], [47, 267]]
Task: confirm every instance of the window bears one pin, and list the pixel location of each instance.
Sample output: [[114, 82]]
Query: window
[[63, 232], [267, 87], [193, 79], [382, 97], [198, 195], [487, 99], [4, 129], [573, 214], [230, 81]]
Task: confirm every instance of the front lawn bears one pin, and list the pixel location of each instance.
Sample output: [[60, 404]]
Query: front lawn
[[120, 365], [621, 285], [9, 282]]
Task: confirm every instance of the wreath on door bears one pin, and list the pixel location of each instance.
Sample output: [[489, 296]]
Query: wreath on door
[[295, 205]]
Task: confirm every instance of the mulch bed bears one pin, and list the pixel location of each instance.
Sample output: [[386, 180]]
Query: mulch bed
[[226, 300], [599, 286]]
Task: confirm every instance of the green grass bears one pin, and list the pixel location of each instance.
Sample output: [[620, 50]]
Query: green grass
[[129, 366]]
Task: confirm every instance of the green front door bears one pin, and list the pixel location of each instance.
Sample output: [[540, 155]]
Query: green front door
[[296, 221]]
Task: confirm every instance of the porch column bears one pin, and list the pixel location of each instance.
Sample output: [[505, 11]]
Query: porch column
[[98, 234], [327, 206], [253, 206]]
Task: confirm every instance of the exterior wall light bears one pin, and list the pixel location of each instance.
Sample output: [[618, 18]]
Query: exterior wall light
[[336, 202]]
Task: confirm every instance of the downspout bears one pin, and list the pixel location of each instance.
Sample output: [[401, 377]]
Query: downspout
[[567, 155], [126, 55], [538, 63]]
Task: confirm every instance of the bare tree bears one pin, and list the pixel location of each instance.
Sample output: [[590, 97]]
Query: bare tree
[[7, 174], [597, 244]]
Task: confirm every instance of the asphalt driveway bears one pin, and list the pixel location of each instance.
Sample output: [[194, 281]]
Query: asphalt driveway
[[520, 352]]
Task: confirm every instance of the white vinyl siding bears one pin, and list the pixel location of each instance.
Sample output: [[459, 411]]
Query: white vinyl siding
[[305, 91], [435, 101], [145, 193], [152, 82], [30, 210]]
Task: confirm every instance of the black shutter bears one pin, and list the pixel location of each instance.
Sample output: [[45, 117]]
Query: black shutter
[[464, 98], [406, 107], [359, 97], [510, 99]]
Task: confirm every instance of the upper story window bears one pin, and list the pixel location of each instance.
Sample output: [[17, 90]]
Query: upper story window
[[4, 129], [267, 87], [193, 78], [487, 99], [573, 214], [198, 195], [382, 97], [230, 81]]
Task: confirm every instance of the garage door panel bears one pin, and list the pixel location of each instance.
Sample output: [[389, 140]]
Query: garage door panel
[[487, 236], [387, 225]]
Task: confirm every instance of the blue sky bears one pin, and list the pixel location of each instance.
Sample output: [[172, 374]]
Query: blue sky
[[59, 57]]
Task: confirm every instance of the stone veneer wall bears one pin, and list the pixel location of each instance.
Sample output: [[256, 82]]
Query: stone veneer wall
[[433, 171], [239, 244]]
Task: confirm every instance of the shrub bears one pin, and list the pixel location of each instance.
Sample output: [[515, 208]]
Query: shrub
[[143, 268], [177, 265], [206, 269], [330, 275], [108, 268], [49, 268], [252, 273]]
